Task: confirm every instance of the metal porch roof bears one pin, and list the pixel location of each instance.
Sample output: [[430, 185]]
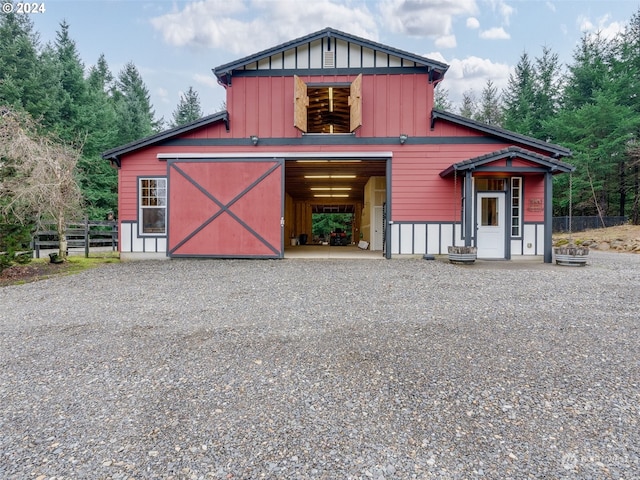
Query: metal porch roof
[[549, 163]]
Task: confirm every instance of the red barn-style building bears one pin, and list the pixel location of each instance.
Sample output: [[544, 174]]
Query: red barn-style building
[[335, 123]]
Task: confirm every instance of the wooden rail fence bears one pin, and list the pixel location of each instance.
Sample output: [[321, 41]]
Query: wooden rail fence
[[87, 234]]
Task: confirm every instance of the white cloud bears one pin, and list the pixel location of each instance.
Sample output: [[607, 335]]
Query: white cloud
[[550, 6], [162, 94], [473, 23], [608, 29], [206, 80], [471, 74], [446, 41], [426, 18], [225, 24], [496, 33], [503, 9]]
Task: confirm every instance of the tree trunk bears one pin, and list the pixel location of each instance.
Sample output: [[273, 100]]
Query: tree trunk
[[636, 195], [622, 189], [62, 237]]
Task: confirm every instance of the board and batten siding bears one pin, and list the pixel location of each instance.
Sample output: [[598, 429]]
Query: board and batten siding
[[140, 164], [391, 105]]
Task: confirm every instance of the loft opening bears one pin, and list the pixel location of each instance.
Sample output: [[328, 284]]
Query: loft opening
[[328, 108]]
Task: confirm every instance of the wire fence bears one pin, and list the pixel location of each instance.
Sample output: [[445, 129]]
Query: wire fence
[[580, 224]]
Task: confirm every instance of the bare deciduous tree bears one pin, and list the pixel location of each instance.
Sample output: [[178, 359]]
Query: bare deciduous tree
[[37, 175]]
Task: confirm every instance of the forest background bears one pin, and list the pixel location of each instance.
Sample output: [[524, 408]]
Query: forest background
[[591, 105]]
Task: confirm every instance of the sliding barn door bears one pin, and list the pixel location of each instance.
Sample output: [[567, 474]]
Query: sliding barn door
[[226, 208]]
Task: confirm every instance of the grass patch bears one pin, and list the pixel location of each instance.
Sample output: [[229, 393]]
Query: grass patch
[[42, 268]]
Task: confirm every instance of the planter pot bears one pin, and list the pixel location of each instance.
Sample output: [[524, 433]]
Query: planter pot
[[571, 256], [463, 255]]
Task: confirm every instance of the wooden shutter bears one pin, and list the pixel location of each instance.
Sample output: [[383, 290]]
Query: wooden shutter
[[355, 102], [300, 103]]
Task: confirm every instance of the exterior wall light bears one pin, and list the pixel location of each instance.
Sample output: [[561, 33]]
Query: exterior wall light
[[403, 138], [254, 139]]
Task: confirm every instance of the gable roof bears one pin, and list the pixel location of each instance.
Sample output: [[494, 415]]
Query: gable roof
[[437, 69], [115, 153], [492, 130], [551, 164]]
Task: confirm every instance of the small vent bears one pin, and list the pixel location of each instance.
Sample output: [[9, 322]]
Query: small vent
[[329, 59]]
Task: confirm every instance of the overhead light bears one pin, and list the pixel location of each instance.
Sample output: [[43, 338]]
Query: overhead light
[[312, 161], [330, 188], [329, 176], [331, 195]]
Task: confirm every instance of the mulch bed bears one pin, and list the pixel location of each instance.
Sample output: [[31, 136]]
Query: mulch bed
[[29, 273]]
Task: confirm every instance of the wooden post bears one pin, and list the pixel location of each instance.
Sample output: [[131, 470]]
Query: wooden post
[[86, 237]]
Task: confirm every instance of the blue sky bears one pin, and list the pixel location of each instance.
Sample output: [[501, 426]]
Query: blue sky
[[175, 44]]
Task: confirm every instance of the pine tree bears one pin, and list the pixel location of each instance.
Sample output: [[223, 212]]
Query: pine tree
[[590, 71], [519, 97], [72, 124], [441, 100], [490, 111], [188, 109], [469, 106], [20, 76], [133, 106], [626, 68], [99, 181]]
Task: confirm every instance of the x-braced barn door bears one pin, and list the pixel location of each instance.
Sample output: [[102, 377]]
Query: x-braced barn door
[[226, 208]]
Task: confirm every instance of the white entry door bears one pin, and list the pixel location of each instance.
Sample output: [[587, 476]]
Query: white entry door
[[490, 234]]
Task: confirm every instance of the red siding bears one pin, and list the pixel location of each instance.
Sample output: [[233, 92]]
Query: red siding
[[140, 164], [391, 104], [418, 191], [533, 206]]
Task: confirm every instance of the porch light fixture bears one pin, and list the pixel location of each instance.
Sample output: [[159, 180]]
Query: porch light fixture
[[403, 138], [254, 139]]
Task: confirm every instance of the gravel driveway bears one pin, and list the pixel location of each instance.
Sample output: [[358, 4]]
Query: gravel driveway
[[324, 369]]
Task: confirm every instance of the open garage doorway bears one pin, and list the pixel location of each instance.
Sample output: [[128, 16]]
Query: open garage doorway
[[333, 203], [333, 228]]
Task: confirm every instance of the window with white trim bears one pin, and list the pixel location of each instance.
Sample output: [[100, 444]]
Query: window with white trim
[[516, 206], [153, 206]]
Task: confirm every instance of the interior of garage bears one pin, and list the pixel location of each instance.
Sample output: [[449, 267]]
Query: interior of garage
[[345, 186]]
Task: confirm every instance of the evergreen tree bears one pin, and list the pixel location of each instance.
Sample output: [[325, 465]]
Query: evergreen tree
[[469, 106], [626, 67], [72, 124], [441, 100], [133, 106], [519, 97], [490, 111], [188, 109], [21, 79], [99, 181], [547, 92], [589, 73]]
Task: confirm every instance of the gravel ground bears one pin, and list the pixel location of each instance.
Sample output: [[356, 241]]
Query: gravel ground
[[323, 369]]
